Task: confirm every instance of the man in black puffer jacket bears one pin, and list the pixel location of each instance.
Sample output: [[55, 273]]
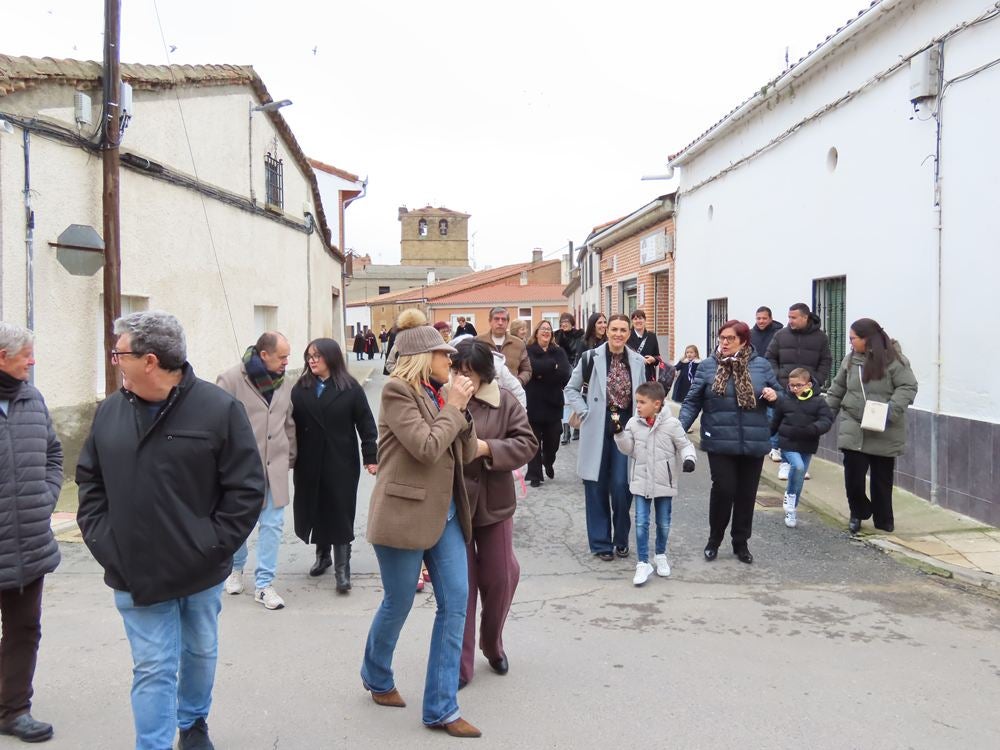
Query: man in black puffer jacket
[[30, 480], [802, 344], [171, 485]]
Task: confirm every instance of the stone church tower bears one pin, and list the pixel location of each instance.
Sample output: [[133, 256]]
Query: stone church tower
[[434, 237]]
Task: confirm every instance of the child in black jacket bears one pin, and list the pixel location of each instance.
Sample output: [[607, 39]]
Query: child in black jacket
[[799, 419]]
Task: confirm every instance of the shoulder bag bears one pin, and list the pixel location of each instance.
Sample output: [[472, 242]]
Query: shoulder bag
[[876, 414]]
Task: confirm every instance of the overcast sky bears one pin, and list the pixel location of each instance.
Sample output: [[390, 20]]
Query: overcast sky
[[538, 118]]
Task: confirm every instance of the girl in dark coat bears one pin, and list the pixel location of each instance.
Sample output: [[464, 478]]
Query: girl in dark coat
[[596, 333], [331, 412], [359, 347], [550, 372], [686, 369]]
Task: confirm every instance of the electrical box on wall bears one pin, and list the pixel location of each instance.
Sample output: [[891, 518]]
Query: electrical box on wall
[[82, 109], [925, 69]]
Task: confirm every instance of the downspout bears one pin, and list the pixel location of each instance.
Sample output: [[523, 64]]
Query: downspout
[[343, 250], [29, 243], [309, 308], [938, 291]]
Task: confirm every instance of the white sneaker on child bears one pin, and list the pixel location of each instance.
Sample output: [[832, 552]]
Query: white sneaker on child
[[783, 470], [643, 571], [789, 506], [662, 566], [775, 455], [234, 584]]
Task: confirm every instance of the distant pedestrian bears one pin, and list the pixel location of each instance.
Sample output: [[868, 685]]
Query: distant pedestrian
[[601, 392], [874, 370], [729, 391], [444, 329], [644, 343], [371, 343], [331, 415], [514, 350], [383, 339], [802, 344], [570, 340], [464, 328], [31, 468], [506, 442], [760, 337], [171, 485], [799, 420], [419, 510], [596, 332], [657, 447], [519, 329], [550, 372], [359, 346], [686, 368], [258, 382], [390, 344]]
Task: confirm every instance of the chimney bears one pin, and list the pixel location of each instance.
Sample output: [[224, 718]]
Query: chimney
[[536, 255], [431, 276]]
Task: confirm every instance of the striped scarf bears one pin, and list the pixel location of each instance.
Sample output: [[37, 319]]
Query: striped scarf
[[263, 380]]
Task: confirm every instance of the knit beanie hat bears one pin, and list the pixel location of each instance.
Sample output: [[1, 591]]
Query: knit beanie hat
[[416, 337]]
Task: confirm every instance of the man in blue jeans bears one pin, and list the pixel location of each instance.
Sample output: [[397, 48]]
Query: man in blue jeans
[[171, 485]]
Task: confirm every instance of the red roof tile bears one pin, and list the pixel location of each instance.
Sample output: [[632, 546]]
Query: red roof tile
[[330, 169]]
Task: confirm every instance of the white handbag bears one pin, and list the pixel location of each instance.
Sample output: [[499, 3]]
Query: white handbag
[[876, 414]]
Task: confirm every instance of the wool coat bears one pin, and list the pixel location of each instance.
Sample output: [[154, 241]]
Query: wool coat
[[359, 344], [328, 463], [807, 347], [550, 372], [898, 388], [655, 453], [421, 452], [725, 427], [272, 424], [515, 353], [798, 423], [30, 480], [594, 406], [503, 425]]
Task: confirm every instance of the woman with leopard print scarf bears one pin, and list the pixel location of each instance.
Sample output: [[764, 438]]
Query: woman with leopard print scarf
[[731, 390]]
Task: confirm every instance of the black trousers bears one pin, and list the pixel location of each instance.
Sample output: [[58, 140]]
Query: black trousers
[[21, 612], [734, 491], [856, 467], [548, 435]]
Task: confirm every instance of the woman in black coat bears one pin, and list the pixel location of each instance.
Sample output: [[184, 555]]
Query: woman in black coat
[[644, 342], [359, 347], [686, 369], [550, 372], [331, 412]]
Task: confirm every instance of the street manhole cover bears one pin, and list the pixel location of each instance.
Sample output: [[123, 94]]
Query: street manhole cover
[[767, 500]]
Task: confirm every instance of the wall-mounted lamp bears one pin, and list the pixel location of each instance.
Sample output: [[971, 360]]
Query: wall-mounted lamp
[[270, 106], [266, 107], [6, 127]]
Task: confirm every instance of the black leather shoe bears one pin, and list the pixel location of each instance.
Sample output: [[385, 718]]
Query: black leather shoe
[[27, 729], [550, 471], [323, 561], [744, 556], [195, 737], [854, 525], [622, 552], [606, 556], [500, 666], [535, 483], [711, 553]]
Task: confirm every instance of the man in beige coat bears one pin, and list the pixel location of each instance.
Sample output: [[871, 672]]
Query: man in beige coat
[[258, 382], [512, 348]]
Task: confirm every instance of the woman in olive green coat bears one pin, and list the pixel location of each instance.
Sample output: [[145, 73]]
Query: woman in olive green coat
[[875, 370]]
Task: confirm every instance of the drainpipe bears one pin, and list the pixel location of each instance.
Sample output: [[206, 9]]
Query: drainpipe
[[29, 243], [939, 264]]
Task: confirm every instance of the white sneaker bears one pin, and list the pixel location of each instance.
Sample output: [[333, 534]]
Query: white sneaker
[[776, 455], [790, 518], [643, 571], [662, 566], [807, 476], [234, 584], [783, 470], [269, 598]]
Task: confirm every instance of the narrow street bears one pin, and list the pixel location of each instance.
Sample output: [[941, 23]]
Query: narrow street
[[821, 643]]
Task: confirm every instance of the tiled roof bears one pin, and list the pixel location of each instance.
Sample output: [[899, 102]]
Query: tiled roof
[[767, 89], [335, 171], [499, 295], [20, 73]]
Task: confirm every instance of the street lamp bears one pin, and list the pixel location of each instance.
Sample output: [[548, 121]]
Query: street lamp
[[266, 107]]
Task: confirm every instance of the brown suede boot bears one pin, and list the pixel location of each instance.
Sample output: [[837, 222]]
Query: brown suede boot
[[390, 698], [459, 728]]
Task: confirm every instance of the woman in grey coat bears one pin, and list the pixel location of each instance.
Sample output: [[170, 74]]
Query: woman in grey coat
[[601, 390], [730, 390], [875, 370]]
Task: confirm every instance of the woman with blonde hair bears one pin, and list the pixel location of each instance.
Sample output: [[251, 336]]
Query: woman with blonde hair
[[419, 511]]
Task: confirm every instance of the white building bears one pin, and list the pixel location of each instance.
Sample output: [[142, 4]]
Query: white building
[[221, 220], [864, 181]]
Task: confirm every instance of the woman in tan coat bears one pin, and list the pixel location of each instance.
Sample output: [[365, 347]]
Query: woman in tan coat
[[419, 510]]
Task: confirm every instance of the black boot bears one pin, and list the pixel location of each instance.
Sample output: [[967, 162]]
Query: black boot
[[323, 560], [342, 567], [576, 434], [565, 435]]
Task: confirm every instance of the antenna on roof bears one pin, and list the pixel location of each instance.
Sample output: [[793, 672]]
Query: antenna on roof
[[786, 59]]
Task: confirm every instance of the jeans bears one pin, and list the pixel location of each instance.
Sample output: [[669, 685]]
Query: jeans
[[612, 480], [663, 507], [21, 610], [448, 565], [774, 437], [798, 464], [175, 645], [269, 525]]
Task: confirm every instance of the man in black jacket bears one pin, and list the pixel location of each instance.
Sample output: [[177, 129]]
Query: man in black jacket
[[760, 337], [171, 484]]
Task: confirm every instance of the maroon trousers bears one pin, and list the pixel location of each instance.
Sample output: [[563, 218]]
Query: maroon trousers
[[21, 613], [493, 575]]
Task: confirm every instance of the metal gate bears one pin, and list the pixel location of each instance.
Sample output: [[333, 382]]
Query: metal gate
[[830, 304], [718, 313]]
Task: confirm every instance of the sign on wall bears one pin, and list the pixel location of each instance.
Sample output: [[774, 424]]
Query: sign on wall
[[654, 247]]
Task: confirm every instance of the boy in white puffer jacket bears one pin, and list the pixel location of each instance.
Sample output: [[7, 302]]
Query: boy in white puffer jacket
[[654, 440]]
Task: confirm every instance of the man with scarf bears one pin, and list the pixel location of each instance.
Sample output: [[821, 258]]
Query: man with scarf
[[258, 382]]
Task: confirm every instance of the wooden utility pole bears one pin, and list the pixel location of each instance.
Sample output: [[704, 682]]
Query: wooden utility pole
[[110, 137]]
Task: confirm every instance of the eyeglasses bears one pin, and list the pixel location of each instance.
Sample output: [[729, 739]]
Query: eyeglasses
[[313, 357], [116, 355], [728, 339], [798, 386]]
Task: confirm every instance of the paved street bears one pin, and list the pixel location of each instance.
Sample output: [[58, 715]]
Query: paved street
[[823, 643]]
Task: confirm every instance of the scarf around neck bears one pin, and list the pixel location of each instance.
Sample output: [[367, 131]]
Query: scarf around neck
[[263, 380], [9, 386], [736, 367]]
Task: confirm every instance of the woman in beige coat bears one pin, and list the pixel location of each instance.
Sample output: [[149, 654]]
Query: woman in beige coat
[[419, 510]]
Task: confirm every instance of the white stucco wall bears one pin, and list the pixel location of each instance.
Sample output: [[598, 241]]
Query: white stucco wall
[[785, 218]]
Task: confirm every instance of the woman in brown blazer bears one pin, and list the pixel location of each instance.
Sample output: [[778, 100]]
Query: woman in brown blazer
[[502, 424], [419, 510]]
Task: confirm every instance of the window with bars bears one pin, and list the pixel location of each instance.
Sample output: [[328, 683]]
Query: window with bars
[[443, 227], [830, 305], [718, 313], [274, 180]]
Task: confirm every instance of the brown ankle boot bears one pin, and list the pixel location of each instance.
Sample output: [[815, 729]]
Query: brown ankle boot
[[459, 728], [390, 698]]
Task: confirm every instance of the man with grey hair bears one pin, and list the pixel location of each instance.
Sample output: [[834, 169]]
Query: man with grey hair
[[514, 351], [258, 382], [171, 485], [31, 468]]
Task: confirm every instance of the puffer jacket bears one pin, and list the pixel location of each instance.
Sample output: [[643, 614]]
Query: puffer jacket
[[898, 388], [654, 454], [725, 427], [798, 422], [30, 479], [808, 348]]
